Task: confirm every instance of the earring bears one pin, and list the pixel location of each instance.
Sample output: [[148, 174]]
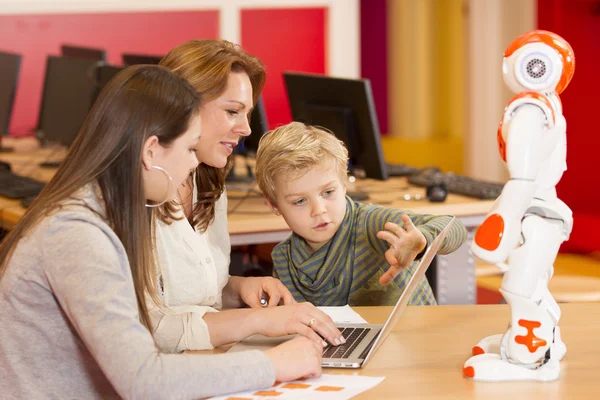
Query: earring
[[170, 182]]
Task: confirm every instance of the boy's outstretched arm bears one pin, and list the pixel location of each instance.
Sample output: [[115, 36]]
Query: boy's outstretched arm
[[402, 236]]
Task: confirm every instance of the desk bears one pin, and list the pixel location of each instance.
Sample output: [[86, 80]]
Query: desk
[[251, 221], [423, 357]]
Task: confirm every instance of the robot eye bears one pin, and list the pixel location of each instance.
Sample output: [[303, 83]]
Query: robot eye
[[536, 68]]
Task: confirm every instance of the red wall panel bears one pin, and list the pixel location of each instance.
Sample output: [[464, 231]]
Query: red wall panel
[[578, 21], [285, 40], [36, 36], [373, 54]]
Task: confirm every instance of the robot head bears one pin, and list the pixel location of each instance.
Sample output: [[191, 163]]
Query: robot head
[[538, 61]]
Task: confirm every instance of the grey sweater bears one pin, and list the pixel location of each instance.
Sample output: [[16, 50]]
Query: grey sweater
[[69, 325]]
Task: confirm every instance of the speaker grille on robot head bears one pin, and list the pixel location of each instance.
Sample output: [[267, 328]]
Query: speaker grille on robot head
[[536, 68]]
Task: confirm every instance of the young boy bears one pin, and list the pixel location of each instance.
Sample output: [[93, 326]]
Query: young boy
[[340, 252]]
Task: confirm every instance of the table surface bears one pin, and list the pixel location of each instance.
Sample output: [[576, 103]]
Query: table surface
[[423, 356]]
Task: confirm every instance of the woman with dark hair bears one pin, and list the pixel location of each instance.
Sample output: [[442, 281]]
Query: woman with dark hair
[[76, 270], [192, 237]]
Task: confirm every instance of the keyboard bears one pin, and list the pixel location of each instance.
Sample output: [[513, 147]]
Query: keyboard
[[353, 338], [457, 184], [17, 187], [400, 170]]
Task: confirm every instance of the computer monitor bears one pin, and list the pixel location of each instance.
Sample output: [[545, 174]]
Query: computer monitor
[[83, 52], [68, 93], [10, 64], [104, 73], [259, 125], [345, 107], [134, 59]]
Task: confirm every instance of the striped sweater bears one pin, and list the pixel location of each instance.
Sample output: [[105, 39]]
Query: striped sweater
[[347, 269]]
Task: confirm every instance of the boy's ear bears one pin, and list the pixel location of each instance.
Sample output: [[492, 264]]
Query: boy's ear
[[272, 206]]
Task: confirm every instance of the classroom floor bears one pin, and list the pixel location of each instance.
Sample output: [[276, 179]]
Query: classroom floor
[[572, 265]]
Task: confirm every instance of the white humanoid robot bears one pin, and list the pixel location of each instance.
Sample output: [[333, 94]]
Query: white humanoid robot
[[527, 223]]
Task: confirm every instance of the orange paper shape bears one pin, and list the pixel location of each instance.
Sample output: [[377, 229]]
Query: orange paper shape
[[329, 388], [295, 386], [266, 393]]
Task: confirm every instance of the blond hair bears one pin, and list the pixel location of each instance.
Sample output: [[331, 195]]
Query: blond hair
[[291, 149], [206, 64]]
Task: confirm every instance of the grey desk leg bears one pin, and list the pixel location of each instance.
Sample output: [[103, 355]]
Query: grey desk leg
[[455, 275]]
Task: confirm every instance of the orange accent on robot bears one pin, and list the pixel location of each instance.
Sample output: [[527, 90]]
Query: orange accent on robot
[[557, 43], [468, 372], [490, 233], [501, 142], [477, 350], [531, 341], [534, 96]]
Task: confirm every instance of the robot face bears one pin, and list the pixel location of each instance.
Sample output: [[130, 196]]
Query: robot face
[[538, 61]]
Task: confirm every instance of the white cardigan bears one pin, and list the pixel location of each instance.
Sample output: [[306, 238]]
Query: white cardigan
[[195, 268]]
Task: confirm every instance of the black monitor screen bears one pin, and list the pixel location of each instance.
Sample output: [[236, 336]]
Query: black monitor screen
[[258, 126], [345, 107], [135, 59], [83, 52], [104, 73], [9, 75], [69, 89]]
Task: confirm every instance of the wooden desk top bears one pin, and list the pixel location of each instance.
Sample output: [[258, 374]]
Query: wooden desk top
[[423, 357], [248, 213]]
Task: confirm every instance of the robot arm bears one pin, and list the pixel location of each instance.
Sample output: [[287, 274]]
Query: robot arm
[[501, 230]]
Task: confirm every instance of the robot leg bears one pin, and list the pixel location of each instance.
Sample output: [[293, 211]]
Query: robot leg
[[531, 347]]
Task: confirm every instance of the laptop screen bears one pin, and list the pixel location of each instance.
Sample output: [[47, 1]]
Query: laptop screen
[[414, 281]]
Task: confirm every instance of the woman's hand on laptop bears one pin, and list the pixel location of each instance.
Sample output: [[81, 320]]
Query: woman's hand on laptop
[[406, 243], [296, 358], [301, 318]]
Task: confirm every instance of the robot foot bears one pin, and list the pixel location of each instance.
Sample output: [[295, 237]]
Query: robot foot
[[492, 368], [490, 344]]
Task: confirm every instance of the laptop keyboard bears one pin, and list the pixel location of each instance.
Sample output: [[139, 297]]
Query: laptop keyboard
[[353, 338]]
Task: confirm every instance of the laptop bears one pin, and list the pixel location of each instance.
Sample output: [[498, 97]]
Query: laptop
[[362, 340]]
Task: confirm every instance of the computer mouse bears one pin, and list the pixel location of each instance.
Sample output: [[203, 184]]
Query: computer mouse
[[437, 192]]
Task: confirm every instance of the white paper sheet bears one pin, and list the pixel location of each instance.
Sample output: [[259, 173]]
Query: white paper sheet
[[343, 315], [327, 387]]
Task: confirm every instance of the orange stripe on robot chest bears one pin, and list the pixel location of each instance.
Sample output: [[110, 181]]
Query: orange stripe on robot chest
[[490, 233], [531, 341]]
